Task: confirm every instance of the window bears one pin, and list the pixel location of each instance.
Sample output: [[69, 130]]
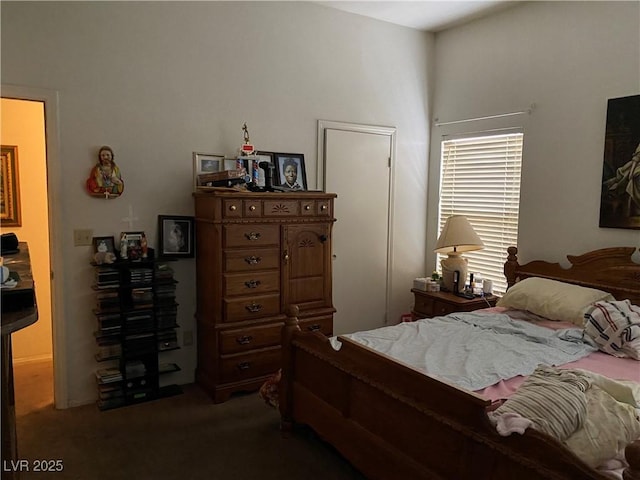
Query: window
[[480, 178]]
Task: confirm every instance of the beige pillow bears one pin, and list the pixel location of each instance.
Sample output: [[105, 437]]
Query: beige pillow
[[552, 299]]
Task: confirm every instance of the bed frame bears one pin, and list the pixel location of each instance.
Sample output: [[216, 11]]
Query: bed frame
[[392, 421]]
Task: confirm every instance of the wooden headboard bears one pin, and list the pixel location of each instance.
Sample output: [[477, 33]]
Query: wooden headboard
[[608, 269]]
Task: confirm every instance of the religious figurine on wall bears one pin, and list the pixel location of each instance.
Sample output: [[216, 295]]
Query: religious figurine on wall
[[105, 179]]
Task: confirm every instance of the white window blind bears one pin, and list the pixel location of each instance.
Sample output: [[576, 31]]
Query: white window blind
[[480, 178]]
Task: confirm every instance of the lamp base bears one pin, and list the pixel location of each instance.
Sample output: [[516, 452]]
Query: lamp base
[[451, 264]]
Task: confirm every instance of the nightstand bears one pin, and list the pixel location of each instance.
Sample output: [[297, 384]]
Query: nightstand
[[433, 304]]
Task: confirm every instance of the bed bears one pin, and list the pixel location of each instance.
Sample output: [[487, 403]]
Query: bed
[[392, 421]]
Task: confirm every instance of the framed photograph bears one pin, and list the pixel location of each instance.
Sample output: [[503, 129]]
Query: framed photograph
[[229, 164], [206, 163], [176, 236], [133, 246], [290, 171], [9, 188], [104, 244]]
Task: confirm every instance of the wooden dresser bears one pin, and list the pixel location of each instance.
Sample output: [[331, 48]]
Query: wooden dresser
[[256, 254]]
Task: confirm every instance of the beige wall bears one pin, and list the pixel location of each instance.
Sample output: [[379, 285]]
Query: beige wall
[[166, 79], [23, 126], [567, 58]]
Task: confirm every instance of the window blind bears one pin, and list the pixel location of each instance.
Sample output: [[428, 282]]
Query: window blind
[[480, 178]]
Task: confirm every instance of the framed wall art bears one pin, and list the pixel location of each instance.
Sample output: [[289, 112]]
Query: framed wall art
[[10, 215], [206, 163], [620, 194], [290, 171], [176, 236]]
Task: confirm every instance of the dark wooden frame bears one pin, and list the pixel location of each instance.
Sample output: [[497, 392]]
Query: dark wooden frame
[[11, 215], [392, 421], [189, 232], [279, 158], [110, 241]]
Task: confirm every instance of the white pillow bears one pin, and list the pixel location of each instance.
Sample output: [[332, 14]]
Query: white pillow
[[552, 299]]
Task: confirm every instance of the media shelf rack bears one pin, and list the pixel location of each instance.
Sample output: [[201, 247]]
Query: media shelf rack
[[136, 315]]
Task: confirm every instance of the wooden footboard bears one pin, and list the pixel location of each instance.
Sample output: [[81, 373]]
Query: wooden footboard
[[392, 421]]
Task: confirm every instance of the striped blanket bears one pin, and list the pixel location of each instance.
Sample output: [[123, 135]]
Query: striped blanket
[[615, 327]]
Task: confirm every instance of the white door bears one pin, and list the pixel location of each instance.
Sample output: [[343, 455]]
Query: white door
[[357, 168]]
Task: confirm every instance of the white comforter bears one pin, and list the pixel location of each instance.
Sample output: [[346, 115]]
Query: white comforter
[[475, 350]]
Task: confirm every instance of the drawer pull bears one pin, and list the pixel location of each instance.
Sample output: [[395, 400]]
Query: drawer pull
[[307, 207], [285, 256], [233, 208], [313, 328], [254, 307], [253, 260], [244, 340], [244, 366], [252, 236], [323, 208], [252, 283], [252, 208]]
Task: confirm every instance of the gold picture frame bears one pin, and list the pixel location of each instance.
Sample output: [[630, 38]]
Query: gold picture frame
[[10, 215]]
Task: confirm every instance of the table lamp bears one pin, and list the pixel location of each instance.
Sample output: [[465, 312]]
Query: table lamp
[[456, 237]]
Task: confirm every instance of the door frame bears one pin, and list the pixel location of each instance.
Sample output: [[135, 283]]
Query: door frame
[[50, 99], [323, 126]]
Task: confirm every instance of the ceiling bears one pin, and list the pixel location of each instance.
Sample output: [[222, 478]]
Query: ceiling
[[427, 15]]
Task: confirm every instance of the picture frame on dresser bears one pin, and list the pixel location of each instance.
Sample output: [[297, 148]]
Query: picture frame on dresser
[[290, 171], [176, 236], [206, 163]]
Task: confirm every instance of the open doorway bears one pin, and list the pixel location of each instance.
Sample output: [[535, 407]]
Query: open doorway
[[47, 218], [23, 127]]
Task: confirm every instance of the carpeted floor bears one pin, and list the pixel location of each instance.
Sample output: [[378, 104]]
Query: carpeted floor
[[182, 437]]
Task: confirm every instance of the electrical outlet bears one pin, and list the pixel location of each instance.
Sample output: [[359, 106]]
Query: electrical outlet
[[82, 237], [187, 338]]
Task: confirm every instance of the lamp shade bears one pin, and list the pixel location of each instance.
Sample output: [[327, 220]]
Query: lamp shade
[[458, 236]]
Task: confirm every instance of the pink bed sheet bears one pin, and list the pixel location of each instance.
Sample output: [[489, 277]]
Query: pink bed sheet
[[597, 362]]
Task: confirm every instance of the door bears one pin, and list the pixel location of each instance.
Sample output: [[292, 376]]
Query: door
[[305, 259], [357, 166]]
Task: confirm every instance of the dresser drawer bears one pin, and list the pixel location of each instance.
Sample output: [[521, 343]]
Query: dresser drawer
[[250, 307], [244, 339], [443, 308], [251, 260], [323, 325], [423, 306], [251, 283], [251, 235], [281, 208], [250, 365]]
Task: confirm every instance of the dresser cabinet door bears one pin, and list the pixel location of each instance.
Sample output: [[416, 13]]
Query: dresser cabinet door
[[306, 258]]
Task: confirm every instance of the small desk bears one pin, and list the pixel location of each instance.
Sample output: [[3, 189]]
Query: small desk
[[19, 310], [433, 304]]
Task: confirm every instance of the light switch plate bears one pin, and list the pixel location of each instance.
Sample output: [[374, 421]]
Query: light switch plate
[[82, 237]]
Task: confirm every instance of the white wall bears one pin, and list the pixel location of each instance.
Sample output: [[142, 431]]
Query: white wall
[[568, 58], [159, 80]]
